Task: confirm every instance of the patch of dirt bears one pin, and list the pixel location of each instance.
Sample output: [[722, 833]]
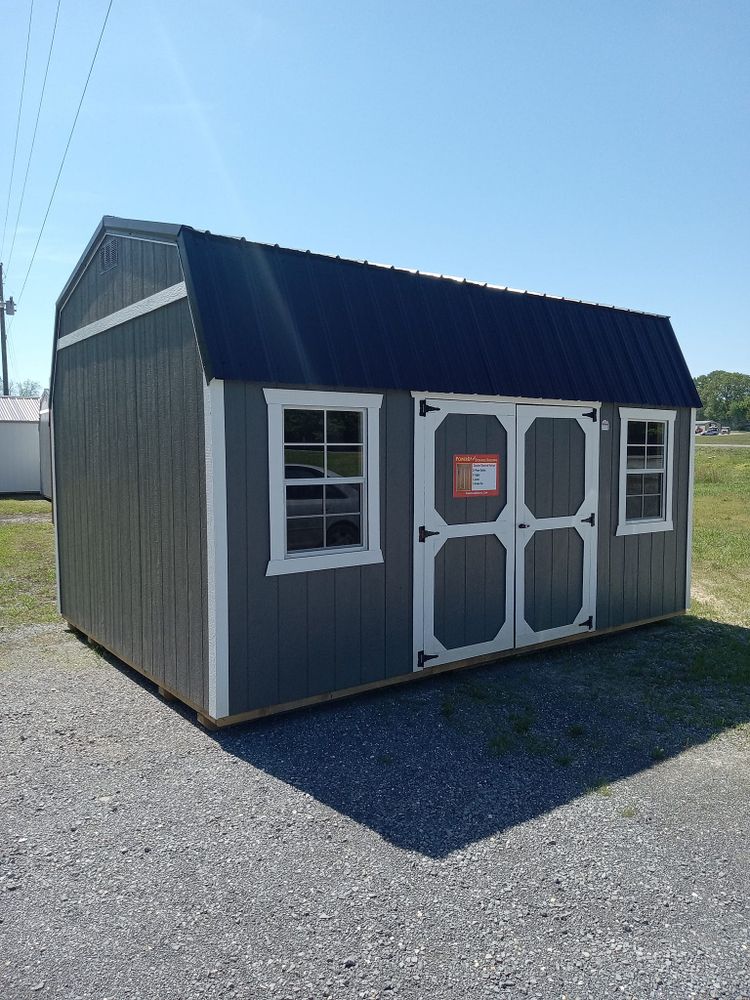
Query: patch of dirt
[[702, 594], [25, 518]]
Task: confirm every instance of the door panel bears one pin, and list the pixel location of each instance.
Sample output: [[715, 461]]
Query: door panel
[[460, 434], [556, 541], [553, 578], [470, 591], [464, 588]]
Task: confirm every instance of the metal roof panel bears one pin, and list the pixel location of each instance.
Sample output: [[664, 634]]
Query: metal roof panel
[[279, 316], [19, 409]]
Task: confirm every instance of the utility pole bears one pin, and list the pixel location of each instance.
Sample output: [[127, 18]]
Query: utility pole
[[3, 340]]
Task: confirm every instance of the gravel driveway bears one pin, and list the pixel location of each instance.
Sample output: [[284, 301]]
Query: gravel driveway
[[536, 829]]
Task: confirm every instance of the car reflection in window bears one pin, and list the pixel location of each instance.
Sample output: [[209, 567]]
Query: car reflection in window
[[324, 516]]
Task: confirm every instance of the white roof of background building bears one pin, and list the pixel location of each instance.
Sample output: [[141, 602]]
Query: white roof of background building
[[15, 409]]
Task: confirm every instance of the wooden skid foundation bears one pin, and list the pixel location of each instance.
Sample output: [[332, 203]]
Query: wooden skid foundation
[[209, 723]]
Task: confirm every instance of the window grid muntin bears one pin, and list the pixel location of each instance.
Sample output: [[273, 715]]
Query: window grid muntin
[[653, 449], [326, 480]]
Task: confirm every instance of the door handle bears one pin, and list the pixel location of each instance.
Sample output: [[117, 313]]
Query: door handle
[[524, 525]]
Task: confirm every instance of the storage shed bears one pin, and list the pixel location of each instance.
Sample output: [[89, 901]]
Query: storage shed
[[45, 448], [282, 477], [19, 444]]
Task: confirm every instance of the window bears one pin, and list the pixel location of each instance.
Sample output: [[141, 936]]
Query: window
[[646, 464], [323, 479]]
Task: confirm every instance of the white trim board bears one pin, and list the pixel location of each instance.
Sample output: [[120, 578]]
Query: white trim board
[[217, 549], [666, 523], [55, 512], [505, 399], [691, 488], [140, 308], [280, 563]]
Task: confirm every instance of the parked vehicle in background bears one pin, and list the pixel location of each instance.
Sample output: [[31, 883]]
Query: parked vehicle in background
[[711, 432], [724, 430], [707, 426]]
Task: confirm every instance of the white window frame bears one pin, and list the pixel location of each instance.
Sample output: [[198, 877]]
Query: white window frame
[[280, 561], [664, 523]]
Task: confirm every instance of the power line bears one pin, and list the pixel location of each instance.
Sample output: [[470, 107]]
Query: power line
[[18, 126], [33, 139], [65, 153]]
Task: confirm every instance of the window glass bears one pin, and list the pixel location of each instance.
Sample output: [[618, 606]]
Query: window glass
[[343, 531], [344, 460], [344, 426], [636, 432], [303, 426], [636, 457], [304, 533], [308, 459], [646, 450], [327, 445]]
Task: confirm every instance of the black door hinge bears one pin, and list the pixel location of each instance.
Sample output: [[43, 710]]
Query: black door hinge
[[423, 657], [591, 519], [425, 408], [591, 413], [589, 623], [424, 534]]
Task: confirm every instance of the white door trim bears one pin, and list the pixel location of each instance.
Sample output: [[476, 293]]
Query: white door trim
[[425, 553], [526, 414]]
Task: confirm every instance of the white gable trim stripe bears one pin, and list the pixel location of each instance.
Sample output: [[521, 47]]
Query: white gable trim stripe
[[157, 301]]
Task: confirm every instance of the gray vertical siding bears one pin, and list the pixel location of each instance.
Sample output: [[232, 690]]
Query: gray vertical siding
[[144, 268], [130, 469], [640, 576], [303, 634]]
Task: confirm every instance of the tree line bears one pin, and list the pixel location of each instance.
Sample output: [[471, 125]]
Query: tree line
[[726, 398]]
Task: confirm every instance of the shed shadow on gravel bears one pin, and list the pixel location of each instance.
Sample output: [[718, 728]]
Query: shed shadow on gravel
[[439, 764]]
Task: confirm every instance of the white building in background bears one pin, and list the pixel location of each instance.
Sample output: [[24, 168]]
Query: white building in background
[[19, 444]]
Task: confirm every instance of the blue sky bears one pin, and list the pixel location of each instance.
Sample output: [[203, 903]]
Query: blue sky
[[597, 150]]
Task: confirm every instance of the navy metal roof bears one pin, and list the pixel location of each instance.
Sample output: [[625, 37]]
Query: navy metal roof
[[289, 317]]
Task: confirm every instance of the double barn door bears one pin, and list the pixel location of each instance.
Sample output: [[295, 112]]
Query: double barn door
[[505, 526]]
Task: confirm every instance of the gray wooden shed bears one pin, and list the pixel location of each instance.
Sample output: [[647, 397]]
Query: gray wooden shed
[[282, 477]]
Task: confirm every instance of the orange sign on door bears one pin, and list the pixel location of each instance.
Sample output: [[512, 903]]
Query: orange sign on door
[[476, 475]]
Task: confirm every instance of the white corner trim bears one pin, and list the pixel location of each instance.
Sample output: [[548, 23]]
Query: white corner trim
[[55, 513], [657, 524], [691, 489], [157, 301], [279, 563], [217, 549]]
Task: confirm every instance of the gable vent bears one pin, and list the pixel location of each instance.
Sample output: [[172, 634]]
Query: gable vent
[[109, 255]]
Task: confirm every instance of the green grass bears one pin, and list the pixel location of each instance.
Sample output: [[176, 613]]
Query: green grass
[[736, 437], [27, 574], [8, 507], [721, 535]]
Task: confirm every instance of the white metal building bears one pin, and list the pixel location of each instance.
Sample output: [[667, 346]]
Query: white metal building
[[19, 444]]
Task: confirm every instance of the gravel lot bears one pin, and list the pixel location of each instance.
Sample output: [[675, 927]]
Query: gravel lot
[[544, 828]]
